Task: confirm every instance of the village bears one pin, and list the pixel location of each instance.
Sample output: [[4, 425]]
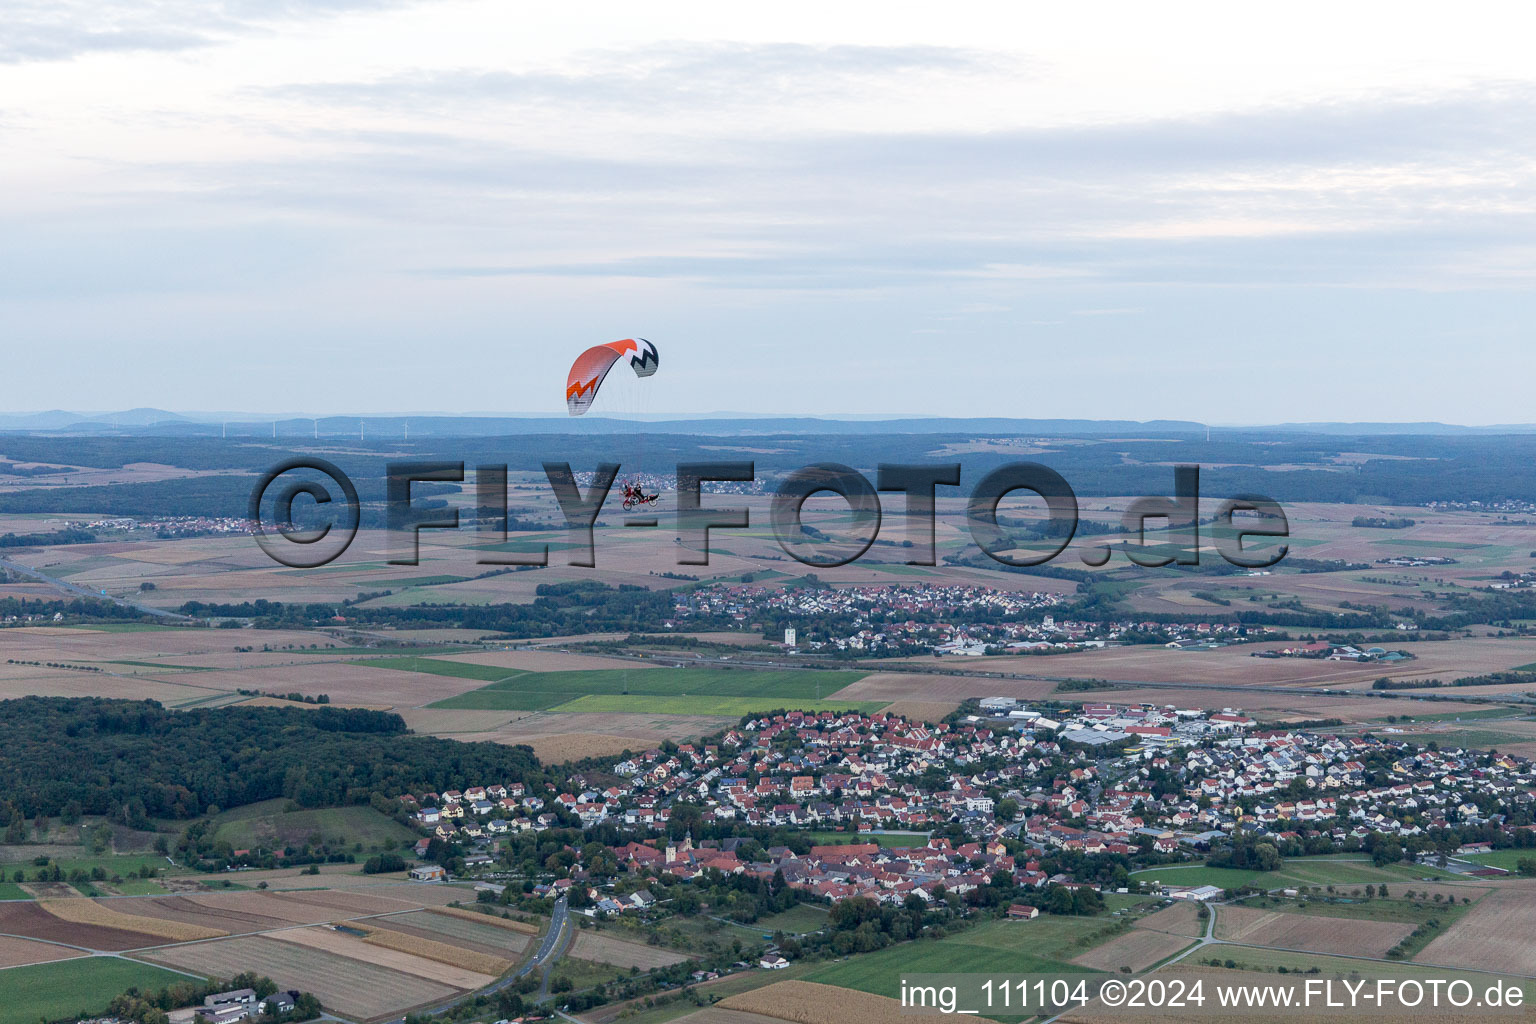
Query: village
[[1030, 796], [886, 621]]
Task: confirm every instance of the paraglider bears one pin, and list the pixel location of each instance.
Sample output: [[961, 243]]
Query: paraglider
[[581, 387], [592, 366], [635, 496]]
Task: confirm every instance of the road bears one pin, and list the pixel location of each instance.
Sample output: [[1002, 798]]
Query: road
[[550, 950], [79, 591]]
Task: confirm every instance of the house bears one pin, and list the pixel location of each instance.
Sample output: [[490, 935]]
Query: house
[[773, 962], [280, 1002], [428, 873], [1023, 912]]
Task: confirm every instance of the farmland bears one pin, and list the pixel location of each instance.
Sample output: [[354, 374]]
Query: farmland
[[354, 987], [53, 990], [808, 1003], [1305, 931], [606, 949], [537, 690], [1137, 950], [1482, 938], [727, 707], [1045, 945]]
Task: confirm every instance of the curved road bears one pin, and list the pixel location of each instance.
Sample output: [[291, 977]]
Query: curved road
[[549, 951]]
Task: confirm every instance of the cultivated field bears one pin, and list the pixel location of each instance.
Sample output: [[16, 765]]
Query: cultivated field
[[1183, 918], [1137, 949], [32, 921], [1302, 931], [605, 949], [720, 1015], [90, 912], [15, 952], [354, 988], [506, 923], [488, 964], [498, 942], [1494, 935], [805, 1002]]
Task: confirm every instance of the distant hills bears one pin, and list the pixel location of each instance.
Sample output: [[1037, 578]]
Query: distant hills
[[160, 422]]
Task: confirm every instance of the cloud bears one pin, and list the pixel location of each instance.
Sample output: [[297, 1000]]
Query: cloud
[[56, 30], [663, 77]]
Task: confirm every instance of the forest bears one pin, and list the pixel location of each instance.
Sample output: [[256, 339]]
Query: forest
[[135, 760]]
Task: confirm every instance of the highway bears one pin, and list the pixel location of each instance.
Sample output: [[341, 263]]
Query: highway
[[78, 591]]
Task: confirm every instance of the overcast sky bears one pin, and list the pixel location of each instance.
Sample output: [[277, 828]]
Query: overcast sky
[[1233, 214]]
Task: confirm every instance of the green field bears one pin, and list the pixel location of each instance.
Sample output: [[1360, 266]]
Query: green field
[[797, 920], [728, 707], [420, 581], [12, 891], [1199, 874], [439, 667], [84, 986], [1506, 859], [531, 691], [1045, 945], [1474, 739], [123, 864], [1455, 716], [267, 824]]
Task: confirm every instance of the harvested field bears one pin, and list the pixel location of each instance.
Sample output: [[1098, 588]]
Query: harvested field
[[896, 686], [179, 908], [15, 952], [34, 922], [350, 903], [550, 732], [1183, 918], [1301, 931], [354, 948], [1137, 949], [353, 988], [806, 1002], [500, 951], [1495, 935], [265, 904], [607, 950], [91, 912], [500, 941], [435, 949], [719, 1015], [498, 922], [922, 710], [1095, 1013], [348, 683]]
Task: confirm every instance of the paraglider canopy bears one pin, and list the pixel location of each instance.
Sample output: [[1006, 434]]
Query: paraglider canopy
[[592, 366]]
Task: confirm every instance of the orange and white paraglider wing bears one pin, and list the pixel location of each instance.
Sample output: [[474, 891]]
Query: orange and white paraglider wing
[[592, 366]]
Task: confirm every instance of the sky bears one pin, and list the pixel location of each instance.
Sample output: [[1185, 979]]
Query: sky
[[1216, 212]]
